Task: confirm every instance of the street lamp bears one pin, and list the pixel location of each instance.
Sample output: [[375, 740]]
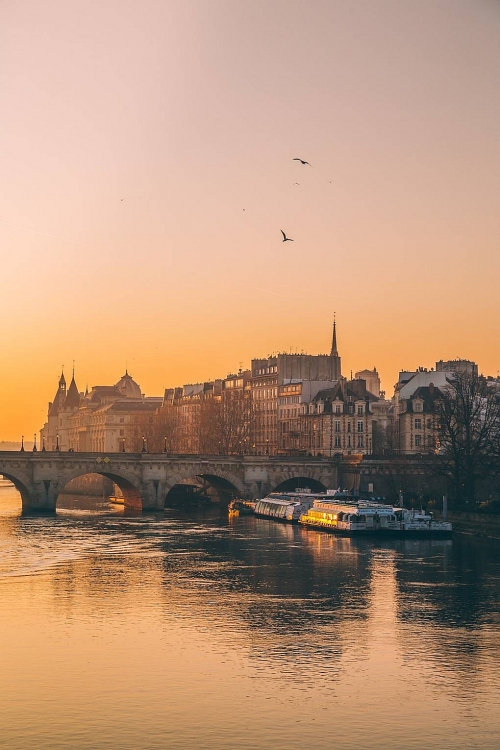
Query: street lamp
[[22, 444]]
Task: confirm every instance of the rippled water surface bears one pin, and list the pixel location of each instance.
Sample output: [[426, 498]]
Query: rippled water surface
[[186, 630]]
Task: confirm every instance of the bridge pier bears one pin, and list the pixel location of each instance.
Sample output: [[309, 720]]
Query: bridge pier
[[41, 499], [153, 493]]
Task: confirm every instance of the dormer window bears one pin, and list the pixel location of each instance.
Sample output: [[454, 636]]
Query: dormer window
[[418, 406]]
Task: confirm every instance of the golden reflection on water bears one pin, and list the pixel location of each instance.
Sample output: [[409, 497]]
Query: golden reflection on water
[[184, 631]]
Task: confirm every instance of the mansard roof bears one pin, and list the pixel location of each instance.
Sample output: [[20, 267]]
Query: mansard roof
[[128, 405], [426, 394]]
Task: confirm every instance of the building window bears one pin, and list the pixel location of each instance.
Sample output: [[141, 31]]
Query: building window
[[429, 424], [337, 441], [360, 409], [337, 409], [122, 432], [418, 424], [121, 420], [348, 427], [360, 426], [360, 441], [418, 441], [417, 406], [337, 425]]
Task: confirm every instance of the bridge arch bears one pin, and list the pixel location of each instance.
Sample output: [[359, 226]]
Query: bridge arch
[[209, 484], [126, 482], [21, 484]]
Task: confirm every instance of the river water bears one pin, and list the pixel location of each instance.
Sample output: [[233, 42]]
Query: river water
[[189, 630]]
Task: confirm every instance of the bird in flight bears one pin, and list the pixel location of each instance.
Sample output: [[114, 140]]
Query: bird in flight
[[296, 183], [301, 161], [121, 199], [285, 238]]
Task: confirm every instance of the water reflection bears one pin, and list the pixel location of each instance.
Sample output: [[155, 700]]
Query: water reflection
[[246, 633]]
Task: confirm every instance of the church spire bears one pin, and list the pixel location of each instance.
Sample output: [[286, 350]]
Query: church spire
[[334, 352]]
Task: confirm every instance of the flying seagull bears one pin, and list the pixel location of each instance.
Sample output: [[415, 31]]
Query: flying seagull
[[296, 183], [285, 238], [301, 161]]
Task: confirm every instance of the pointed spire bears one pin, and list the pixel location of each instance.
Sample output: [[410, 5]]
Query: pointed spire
[[72, 400], [334, 352]]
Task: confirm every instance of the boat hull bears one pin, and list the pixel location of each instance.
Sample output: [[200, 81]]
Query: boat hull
[[386, 533]]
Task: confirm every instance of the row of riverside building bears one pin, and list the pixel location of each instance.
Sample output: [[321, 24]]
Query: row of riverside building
[[297, 404]]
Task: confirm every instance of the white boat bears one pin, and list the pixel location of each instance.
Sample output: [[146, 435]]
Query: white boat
[[418, 523], [285, 506], [351, 517]]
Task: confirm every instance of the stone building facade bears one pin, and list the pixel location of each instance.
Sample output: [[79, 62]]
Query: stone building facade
[[272, 374], [110, 418]]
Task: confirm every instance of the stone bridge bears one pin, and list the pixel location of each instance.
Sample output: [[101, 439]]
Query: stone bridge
[[145, 479]]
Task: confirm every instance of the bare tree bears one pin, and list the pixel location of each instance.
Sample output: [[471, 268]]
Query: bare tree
[[160, 430], [469, 434], [225, 423]]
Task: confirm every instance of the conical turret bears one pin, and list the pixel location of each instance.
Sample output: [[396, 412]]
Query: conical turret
[[72, 400], [59, 398]]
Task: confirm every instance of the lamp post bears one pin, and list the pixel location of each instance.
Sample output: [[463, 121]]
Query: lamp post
[[22, 444], [144, 448], [165, 445], [34, 443]]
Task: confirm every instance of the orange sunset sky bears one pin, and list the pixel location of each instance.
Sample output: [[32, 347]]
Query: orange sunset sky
[[147, 168]]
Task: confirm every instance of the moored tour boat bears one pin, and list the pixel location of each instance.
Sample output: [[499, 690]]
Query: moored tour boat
[[351, 518], [362, 517], [418, 523], [285, 506]]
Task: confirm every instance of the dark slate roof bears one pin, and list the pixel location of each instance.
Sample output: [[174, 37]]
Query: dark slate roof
[[72, 400], [131, 405], [427, 395], [57, 403], [332, 394]]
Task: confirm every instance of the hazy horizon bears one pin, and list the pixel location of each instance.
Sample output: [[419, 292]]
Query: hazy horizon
[[148, 168]]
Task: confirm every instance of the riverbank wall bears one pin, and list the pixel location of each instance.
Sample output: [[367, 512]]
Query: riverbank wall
[[484, 525]]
